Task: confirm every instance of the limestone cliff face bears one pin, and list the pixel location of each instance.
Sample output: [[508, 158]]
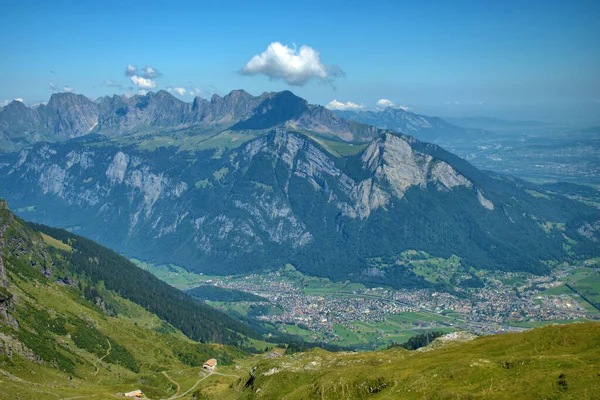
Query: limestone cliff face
[[393, 165], [160, 201], [278, 193]]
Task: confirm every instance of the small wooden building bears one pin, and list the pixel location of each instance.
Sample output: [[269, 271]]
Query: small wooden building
[[210, 365], [135, 394]]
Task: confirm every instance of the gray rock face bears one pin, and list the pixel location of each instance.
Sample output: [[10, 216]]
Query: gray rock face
[[395, 164], [590, 231]]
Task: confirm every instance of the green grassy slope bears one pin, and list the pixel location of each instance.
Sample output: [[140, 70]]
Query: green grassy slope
[[549, 363], [63, 334], [97, 263]]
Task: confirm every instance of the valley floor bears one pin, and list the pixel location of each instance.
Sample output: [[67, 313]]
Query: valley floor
[[352, 315]]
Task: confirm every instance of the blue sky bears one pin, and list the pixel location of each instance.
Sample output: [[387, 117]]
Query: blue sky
[[448, 58]]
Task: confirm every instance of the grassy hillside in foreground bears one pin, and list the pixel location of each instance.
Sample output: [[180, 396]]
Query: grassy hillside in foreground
[[555, 362], [545, 363], [60, 327]]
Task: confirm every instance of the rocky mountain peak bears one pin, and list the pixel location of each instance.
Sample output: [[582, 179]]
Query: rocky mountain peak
[[65, 100]]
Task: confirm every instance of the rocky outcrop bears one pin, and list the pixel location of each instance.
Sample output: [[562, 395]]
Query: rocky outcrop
[[393, 162], [590, 231]]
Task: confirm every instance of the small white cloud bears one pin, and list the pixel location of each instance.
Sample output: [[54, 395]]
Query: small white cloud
[[179, 90], [114, 84], [143, 83], [149, 72], [131, 70], [4, 103], [55, 88], [142, 92], [195, 92], [294, 66], [348, 106], [382, 104]]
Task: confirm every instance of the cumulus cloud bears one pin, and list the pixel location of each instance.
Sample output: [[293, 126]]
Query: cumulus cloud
[[179, 90], [4, 103], [143, 83], [146, 72], [149, 72], [294, 66], [131, 70], [55, 88], [348, 106], [382, 104], [187, 90]]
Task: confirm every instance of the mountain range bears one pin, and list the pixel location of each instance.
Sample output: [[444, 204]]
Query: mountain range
[[241, 183]]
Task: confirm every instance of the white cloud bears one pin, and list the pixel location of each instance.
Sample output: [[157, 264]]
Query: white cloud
[[195, 92], [143, 83], [4, 103], [55, 88], [348, 106], [114, 84], [382, 104], [294, 66], [148, 72], [131, 70], [179, 90], [142, 92]]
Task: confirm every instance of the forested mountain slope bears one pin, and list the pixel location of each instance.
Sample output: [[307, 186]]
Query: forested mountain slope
[[292, 183]]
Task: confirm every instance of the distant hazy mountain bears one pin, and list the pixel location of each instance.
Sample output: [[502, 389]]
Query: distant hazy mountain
[[422, 127], [496, 124], [242, 183]]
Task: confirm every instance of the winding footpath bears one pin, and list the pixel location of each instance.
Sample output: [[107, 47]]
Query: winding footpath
[[103, 357], [172, 381], [196, 384]]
